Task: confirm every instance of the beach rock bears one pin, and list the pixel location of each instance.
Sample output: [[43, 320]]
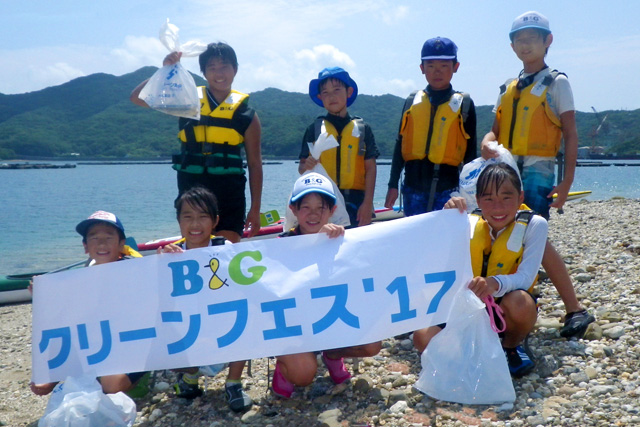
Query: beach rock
[[614, 332]]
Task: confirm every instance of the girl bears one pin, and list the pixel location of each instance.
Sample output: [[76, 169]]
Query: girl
[[507, 244], [197, 213], [313, 202]]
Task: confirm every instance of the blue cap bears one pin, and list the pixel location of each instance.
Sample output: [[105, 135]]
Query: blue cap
[[530, 19], [100, 216], [332, 73], [439, 48]]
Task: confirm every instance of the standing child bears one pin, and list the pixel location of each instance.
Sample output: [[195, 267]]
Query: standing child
[[212, 146], [103, 239], [437, 134], [352, 165], [197, 213], [534, 113], [313, 203], [506, 250]]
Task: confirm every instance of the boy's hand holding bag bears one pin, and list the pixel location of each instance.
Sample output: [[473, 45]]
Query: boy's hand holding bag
[[340, 216], [171, 89]]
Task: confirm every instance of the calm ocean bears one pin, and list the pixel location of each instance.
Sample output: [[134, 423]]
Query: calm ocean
[[40, 208]]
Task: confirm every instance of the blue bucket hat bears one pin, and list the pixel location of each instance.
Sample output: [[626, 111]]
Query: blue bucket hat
[[332, 73], [439, 48]]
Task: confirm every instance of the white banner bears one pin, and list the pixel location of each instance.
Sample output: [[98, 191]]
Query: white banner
[[250, 300]]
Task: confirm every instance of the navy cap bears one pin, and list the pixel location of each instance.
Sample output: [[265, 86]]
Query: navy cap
[[439, 48], [100, 216], [332, 73]]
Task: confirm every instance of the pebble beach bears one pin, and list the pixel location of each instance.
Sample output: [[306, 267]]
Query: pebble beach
[[594, 381]]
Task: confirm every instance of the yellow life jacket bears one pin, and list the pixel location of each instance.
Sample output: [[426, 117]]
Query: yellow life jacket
[[528, 126], [345, 164], [439, 133], [504, 254], [128, 251], [214, 144]]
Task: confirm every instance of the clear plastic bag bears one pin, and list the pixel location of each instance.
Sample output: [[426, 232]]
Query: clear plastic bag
[[465, 363], [80, 402], [471, 171], [171, 89], [340, 216]]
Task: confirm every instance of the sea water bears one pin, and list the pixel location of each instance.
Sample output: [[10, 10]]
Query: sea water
[[40, 208]]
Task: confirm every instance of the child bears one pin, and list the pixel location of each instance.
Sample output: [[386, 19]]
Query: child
[[197, 213], [352, 165], [313, 203], [103, 239], [539, 104], [211, 147], [437, 134], [505, 262]]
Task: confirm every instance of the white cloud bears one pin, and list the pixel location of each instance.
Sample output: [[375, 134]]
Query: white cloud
[[394, 15], [290, 72], [324, 54]]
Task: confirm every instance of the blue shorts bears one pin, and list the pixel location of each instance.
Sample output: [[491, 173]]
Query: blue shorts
[[537, 181], [416, 202], [353, 200]]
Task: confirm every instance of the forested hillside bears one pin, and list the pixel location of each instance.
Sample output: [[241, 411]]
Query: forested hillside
[[93, 117]]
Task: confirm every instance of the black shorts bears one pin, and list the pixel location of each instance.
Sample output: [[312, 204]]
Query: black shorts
[[135, 376], [229, 191]]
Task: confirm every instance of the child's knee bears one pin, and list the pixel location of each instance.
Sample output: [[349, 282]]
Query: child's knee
[[370, 350], [115, 383], [299, 369], [519, 306]]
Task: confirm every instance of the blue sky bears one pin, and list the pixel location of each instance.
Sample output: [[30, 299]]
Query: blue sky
[[284, 44]]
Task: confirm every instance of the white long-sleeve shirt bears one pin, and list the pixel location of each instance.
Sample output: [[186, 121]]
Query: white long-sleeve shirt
[[535, 239]]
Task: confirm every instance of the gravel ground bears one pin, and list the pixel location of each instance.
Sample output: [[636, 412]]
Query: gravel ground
[[590, 382]]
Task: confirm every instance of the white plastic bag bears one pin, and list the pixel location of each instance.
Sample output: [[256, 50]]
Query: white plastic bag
[[465, 363], [471, 171], [340, 216], [80, 402], [171, 89]]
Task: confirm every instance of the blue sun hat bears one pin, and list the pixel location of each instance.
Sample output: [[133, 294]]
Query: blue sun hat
[[332, 73]]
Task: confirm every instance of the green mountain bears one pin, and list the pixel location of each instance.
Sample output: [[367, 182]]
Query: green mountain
[[92, 116]]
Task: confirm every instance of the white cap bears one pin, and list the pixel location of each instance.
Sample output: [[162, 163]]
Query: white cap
[[529, 19], [312, 183]]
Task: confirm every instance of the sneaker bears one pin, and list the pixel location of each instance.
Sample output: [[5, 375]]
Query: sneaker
[[187, 388], [519, 361], [280, 385], [576, 323], [337, 371], [238, 400]]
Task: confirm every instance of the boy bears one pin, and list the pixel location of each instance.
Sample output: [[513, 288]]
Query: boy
[[197, 214], [352, 165], [103, 239], [534, 113], [211, 147], [313, 202], [437, 134]]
